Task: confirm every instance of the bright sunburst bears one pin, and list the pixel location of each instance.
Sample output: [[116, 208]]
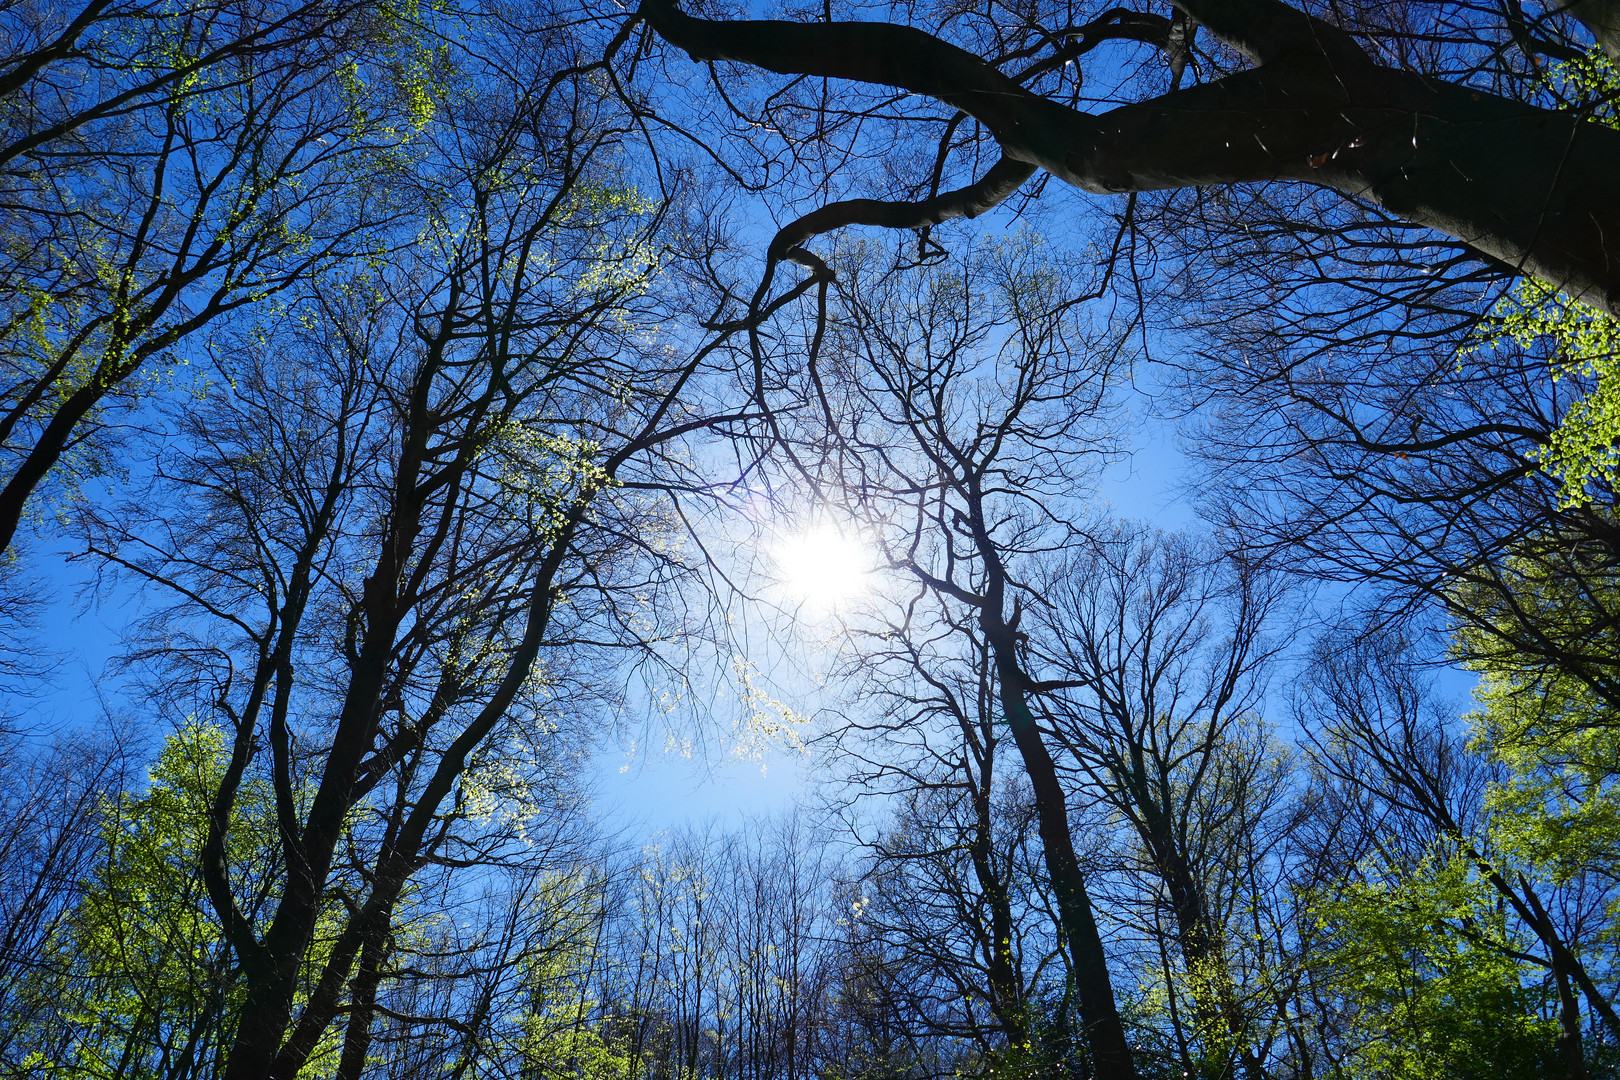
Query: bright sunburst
[[823, 567]]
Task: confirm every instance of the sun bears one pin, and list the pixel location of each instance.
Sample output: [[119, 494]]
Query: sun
[[823, 568]]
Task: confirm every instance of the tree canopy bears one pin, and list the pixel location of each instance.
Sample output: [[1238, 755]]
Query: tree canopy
[[447, 406]]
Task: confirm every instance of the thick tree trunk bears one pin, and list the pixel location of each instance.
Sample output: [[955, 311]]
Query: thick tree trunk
[[1093, 987], [1202, 946], [1534, 189], [1006, 988], [1569, 1023], [362, 1008], [1105, 1032]]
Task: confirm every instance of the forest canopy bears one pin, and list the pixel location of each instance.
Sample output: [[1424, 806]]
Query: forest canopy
[[1149, 471]]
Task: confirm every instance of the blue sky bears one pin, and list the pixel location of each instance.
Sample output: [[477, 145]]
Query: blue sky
[[646, 787], [653, 787]]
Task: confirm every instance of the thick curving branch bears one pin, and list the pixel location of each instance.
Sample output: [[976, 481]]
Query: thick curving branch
[[885, 53], [994, 188], [1536, 190], [1269, 30]]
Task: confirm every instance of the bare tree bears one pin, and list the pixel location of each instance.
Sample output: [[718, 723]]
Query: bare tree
[[965, 410], [723, 960], [1164, 649], [53, 797], [951, 888]]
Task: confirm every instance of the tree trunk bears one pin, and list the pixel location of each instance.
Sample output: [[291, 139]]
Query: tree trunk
[[1105, 1032]]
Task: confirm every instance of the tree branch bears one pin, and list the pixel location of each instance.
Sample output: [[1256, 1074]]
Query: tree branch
[[1529, 187], [989, 191]]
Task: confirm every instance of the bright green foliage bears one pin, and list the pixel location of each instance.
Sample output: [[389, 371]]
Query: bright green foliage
[[1539, 642], [1053, 1048], [1585, 447], [416, 72], [561, 1038], [1437, 995], [152, 986], [1581, 341], [559, 1049], [1559, 809], [160, 973]]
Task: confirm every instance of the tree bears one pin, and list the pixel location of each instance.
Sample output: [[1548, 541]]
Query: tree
[[158, 997], [562, 1035], [1315, 102], [54, 801], [720, 960], [967, 408], [951, 890], [162, 172], [1434, 973], [1381, 731], [400, 543], [1161, 654], [1363, 427], [1553, 734], [1326, 319], [1581, 452], [421, 455]]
